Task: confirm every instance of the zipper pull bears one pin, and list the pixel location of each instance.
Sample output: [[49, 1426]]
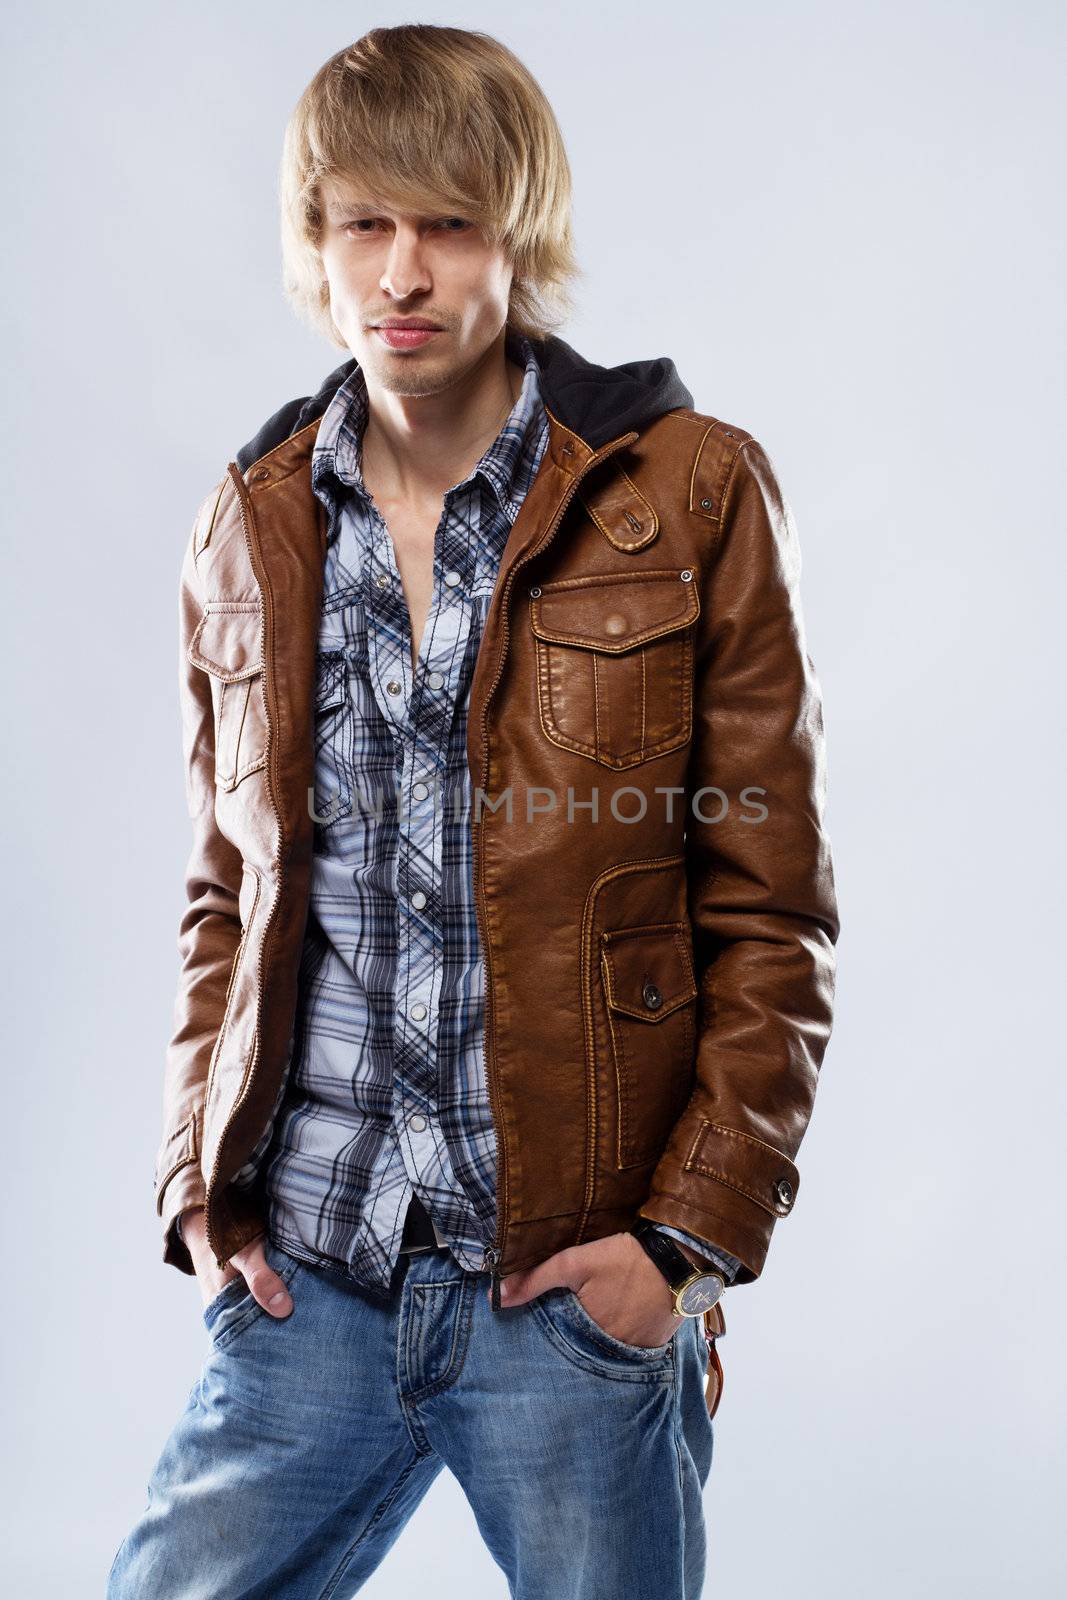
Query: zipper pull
[[491, 1261]]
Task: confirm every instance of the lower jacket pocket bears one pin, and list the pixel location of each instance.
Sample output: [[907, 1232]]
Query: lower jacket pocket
[[650, 993]]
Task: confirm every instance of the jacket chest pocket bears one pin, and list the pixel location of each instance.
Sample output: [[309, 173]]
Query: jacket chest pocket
[[228, 645], [651, 995], [615, 663]]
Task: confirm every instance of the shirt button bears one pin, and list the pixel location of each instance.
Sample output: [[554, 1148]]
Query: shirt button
[[417, 1012], [418, 899], [417, 1123], [435, 680], [452, 578], [394, 687], [382, 580], [419, 791]]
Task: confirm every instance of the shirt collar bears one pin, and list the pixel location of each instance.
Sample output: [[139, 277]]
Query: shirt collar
[[336, 459]]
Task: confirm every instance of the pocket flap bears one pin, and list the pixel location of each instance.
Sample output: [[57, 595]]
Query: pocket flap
[[648, 971], [228, 641], [614, 613], [331, 680]]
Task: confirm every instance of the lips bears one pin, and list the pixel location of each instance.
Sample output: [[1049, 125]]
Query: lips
[[406, 335]]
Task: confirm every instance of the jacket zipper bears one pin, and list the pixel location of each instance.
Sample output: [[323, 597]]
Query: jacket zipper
[[491, 1262], [491, 1257], [271, 775], [225, 1015]]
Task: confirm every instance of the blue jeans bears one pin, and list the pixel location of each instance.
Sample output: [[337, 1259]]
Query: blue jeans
[[307, 1443]]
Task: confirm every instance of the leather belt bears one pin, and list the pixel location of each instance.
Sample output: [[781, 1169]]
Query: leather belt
[[418, 1229]]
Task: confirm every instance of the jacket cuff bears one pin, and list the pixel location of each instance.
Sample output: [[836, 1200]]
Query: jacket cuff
[[184, 1188], [726, 1185]]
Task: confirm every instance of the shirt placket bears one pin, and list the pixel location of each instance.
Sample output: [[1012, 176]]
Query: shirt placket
[[420, 706]]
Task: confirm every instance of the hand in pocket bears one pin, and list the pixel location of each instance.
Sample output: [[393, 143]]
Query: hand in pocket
[[250, 1262]]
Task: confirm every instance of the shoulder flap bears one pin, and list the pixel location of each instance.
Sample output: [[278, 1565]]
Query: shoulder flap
[[715, 456]]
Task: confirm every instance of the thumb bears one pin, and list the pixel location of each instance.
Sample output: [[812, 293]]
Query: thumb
[[262, 1280], [556, 1271]]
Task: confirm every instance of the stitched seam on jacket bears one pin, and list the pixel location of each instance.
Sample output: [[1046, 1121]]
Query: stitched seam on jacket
[[737, 1133]]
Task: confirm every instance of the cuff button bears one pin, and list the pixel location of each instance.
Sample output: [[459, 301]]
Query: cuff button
[[784, 1190]]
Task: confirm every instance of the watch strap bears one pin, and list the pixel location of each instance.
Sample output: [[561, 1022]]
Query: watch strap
[[677, 1268]]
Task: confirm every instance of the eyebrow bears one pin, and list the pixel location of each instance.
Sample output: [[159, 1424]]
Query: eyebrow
[[350, 208]]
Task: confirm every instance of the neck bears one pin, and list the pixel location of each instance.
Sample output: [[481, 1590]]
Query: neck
[[415, 447]]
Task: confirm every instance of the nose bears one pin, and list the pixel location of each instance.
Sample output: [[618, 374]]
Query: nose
[[405, 272]]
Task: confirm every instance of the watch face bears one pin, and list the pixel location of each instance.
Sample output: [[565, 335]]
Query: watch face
[[702, 1294]]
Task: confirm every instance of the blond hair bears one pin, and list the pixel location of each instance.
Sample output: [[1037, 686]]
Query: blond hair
[[425, 116]]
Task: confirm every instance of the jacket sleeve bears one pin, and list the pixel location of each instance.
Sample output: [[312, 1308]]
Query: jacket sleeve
[[209, 933], [761, 894]]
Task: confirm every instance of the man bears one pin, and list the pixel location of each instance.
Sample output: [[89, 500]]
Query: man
[[508, 959]]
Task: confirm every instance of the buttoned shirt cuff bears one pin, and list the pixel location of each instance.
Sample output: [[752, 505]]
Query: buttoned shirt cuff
[[720, 1259]]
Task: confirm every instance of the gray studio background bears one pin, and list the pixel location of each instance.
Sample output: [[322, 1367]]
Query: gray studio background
[[844, 222]]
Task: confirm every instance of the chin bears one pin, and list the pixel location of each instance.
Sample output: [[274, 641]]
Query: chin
[[402, 375]]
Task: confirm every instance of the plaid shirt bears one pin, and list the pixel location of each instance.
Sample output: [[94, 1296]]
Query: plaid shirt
[[386, 1091]]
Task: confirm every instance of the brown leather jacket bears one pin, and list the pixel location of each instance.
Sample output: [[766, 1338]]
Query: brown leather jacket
[[660, 975]]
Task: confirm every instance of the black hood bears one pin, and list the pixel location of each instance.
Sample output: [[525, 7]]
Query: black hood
[[597, 403]]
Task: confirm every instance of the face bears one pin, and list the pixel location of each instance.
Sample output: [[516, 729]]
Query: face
[[434, 277]]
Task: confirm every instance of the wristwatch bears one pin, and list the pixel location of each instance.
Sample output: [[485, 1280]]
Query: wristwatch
[[696, 1289]]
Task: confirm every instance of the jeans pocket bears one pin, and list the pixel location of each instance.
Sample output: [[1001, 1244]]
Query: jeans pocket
[[235, 1308], [581, 1338], [232, 1291]]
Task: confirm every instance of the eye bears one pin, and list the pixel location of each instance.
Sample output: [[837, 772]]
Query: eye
[[360, 224], [454, 224]]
